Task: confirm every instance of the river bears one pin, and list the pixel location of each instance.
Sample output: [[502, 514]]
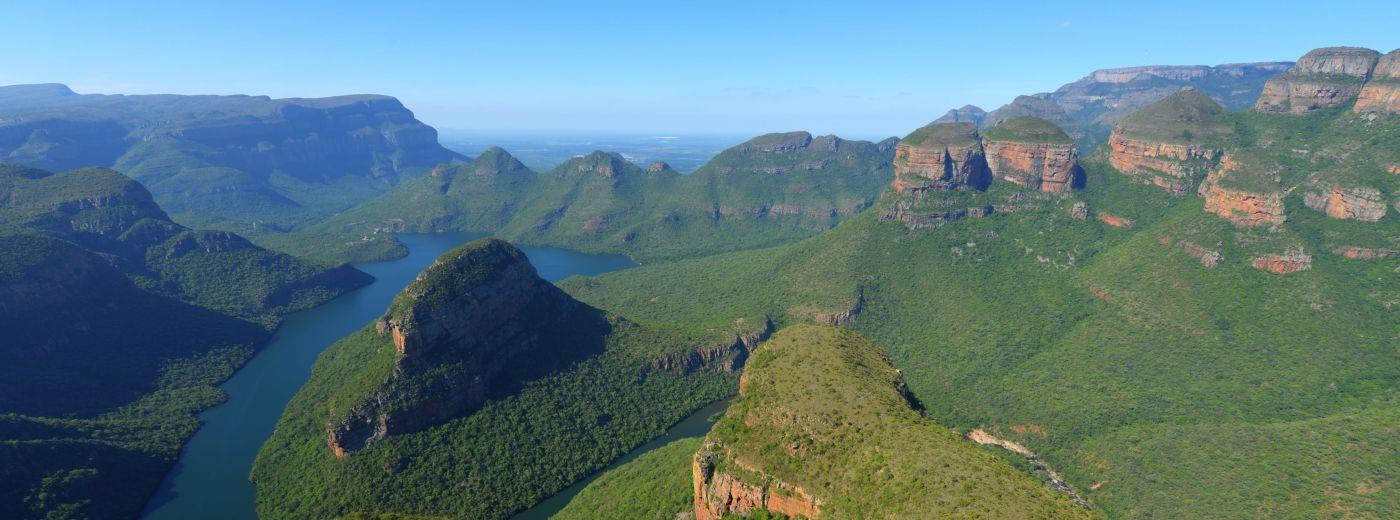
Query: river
[[210, 481]]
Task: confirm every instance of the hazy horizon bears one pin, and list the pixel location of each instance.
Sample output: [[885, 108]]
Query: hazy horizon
[[726, 67]]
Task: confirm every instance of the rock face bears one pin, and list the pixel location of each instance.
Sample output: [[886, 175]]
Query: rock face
[[1243, 207], [1382, 92], [1291, 261], [720, 494], [1322, 78], [1033, 153], [477, 320], [1170, 143], [941, 157], [1366, 253], [1364, 204]]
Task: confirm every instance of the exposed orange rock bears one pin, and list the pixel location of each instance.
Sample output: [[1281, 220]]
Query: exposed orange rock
[[336, 449], [719, 493], [1292, 261], [1348, 203], [1047, 167], [1100, 294], [940, 157], [1321, 78], [1241, 208], [1366, 253], [1382, 92], [1165, 165], [1115, 221]]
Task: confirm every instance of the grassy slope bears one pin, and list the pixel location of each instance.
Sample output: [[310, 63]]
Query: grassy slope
[[823, 409], [656, 485], [993, 324]]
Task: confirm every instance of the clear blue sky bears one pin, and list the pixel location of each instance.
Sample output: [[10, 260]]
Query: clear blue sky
[[852, 68]]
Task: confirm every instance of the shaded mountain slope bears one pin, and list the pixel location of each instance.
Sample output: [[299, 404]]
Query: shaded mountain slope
[[478, 358]]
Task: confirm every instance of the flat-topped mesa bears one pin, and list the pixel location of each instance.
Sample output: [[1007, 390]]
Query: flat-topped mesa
[[777, 142], [478, 318], [1244, 189], [1033, 153], [1322, 78], [1382, 92], [1170, 143], [941, 157]]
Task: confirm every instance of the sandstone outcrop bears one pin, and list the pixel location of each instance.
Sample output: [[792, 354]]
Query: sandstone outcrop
[[1171, 143], [941, 157], [1357, 203], [1366, 253], [1322, 78], [725, 356], [1079, 211], [744, 492], [1261, 205], [1115, 221], [1382, 92], [478, 319], [1033, 153], [1291, 261]]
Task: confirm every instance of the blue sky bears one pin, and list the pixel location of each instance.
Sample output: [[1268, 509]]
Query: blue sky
[[852, 68]]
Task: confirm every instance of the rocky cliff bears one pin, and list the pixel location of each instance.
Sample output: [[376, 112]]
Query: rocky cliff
[[1382, 91], [1033, 153], [1171, 143], [1243, 189], [476, 321], [1356, 203], [1322, 78], [941, 157]]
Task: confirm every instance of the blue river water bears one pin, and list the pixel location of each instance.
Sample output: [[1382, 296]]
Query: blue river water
[[210, 481]]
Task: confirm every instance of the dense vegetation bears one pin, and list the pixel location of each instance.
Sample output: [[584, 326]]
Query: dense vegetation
[[772, 189], [576, 402], [1157, 385], [822, 409], [122, 323], [654, 486]]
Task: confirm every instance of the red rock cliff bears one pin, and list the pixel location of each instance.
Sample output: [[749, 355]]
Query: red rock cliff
[[1382, 92], [1166, 165], [940, 157], [1243, 208], [718, 493], [1348, 203], [1322, 78], [1050, 168]]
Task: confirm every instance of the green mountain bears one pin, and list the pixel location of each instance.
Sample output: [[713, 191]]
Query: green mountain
[[1089, 108], [481, 361], [772, 189], [240, 163], [121, 325], [1224, 355], [823, 428], [656, 485]]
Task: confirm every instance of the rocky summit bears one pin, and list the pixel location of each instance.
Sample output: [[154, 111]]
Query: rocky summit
[[476, 318], [1322, 78], [1382, 91], [941, 157], [1033, 153]]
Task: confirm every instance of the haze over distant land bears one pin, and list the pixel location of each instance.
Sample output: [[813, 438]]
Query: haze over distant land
[[629, 66]]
